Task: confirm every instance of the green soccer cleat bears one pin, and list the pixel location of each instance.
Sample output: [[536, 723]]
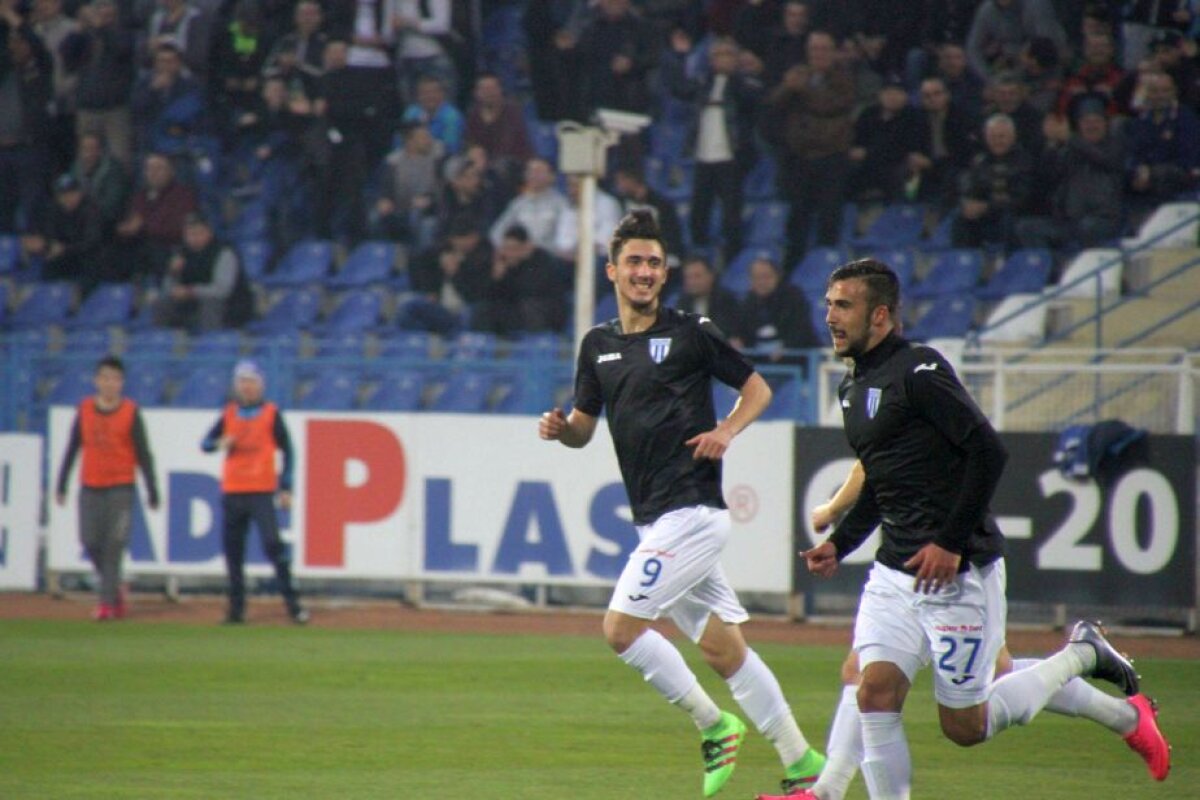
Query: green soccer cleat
[[801, 775], [719, 748]]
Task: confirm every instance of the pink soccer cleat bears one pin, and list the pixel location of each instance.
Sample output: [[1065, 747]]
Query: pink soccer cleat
[[1147, 740], [801, 794], [103, 612]]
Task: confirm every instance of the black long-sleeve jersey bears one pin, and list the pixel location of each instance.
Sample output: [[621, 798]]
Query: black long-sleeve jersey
[[932, 459], [656, 389]]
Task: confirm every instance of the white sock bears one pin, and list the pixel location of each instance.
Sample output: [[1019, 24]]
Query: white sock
[[757, 691], [1016, 698], [887, 765], [1080, 699], [664, 668], [844, 750]]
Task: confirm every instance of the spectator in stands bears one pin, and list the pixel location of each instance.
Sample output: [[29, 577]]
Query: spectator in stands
[[450, 277], [109, 430], [726, 105], [1088, 171], [774, 317], [951, 145], [995, 190], [1097, 77], [551, 29], [185, 27], [891, 142], [420, 27], [100, 54], [468, 192], [946, 22], [153, 227], [536, 209], [755, 23], [358, 108], [432, 109], [1002, 27], [634, 193], [409, 188], [251, 432], [526, 291], [70, 240], [1008, 98], [269, 128], [809, 122], [966, 88], [26, 92], [615, 54], [102, 178], [168, 105], [701, 294], [299, 56], [1144, 20], [859, 55], [239, 53], [1171, 53], [1041, 73], [1164, 145], [786, 42], [53, 27], [606, 213], [205, 287], [497, 124]]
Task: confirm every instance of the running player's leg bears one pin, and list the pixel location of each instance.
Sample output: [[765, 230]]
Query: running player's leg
[[263, 512]]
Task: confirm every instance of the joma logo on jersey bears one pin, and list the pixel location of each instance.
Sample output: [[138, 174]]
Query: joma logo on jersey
[[659, 349], [874, 396], [603, 357]]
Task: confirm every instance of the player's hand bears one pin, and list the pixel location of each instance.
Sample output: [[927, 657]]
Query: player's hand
[[710, 444], [285, 500], [821, 560], [225, 443], [552, 424], [60, 498], [822, 517], [936, 568]]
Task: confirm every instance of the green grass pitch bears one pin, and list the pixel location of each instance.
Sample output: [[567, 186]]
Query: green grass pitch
[[166, 711]]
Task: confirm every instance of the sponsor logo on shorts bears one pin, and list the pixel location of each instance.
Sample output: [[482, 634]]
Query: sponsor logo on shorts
[[638, 597], [960, 681]]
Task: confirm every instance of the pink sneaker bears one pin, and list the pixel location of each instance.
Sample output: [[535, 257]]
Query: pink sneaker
[[102, 612], [1147, 740], [122, 605]]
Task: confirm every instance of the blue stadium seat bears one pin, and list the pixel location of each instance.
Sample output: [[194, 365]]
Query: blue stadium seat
[[466, 392], [767, 224], [953, 272], [407, 345], [724, 398], [108, 304], [252, 223], [606, 308], [816, 316], [146, 384], [72, 387], [88, 343], [540, 348], [330, 390], [668, 140], [544, 139], [369, 263], [343, 346], [941, 238], [736, 275], [671, 179], [276, 345], [1024, 272], [812, 273], [787, 396], [3, 304], [204, 387], [948, 316], [29, 343], [256, 257], [294, 310], [10, 253], [356, 312], [156, 342], [761, 181], [46, 304], [896, 226], [903, 262], [397, 391], [474, 346], [306, 262], [224, 345]]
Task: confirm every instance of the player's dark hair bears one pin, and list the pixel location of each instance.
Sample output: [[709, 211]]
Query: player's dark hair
[[111, 362], [883, 287], [640, 224]]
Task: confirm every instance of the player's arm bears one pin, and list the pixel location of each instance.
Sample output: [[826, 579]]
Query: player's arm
[[68, 462], [145, 458], [825, 514], [212, 440], [574, 431], [753, 399], [853, 530]]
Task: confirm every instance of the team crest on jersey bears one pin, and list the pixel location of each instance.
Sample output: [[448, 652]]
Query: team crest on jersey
[[659, 349], [874, 396]]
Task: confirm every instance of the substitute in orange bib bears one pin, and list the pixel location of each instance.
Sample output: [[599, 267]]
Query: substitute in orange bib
[[108, 429], [250, 430]]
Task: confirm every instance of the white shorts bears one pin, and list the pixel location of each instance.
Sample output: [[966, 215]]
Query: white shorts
[[676, 571], [960, 629]]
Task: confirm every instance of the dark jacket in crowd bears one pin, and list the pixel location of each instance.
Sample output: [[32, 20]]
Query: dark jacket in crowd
[[104, 61]]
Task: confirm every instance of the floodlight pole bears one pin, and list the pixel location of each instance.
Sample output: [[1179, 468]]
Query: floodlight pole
[[585, 260]]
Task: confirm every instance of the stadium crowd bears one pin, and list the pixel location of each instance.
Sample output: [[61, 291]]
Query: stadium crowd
[[124, 124]]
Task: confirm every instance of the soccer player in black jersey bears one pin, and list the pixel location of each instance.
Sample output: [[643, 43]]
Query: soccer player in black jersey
[[651, 371], [935, 595]]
